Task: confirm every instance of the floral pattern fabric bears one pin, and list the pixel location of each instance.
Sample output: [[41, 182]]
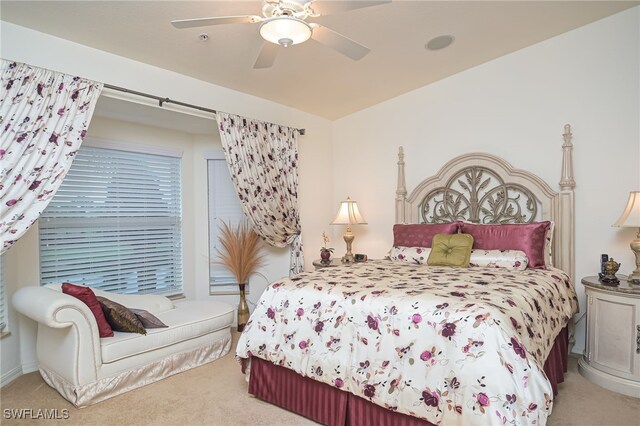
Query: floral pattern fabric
[[44, 115], [447, 345], [263, 162], [509, 259], [417, 255]]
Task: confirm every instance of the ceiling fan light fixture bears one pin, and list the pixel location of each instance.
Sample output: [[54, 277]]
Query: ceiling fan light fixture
[[285, 30]]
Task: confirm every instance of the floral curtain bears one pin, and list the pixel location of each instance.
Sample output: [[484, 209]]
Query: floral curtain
[[43, 117], [263, 162]]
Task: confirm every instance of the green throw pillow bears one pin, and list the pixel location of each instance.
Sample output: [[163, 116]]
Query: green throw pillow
[[450, 250]]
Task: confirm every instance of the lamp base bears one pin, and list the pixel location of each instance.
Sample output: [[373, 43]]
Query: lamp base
[[348, 238], [348, 258], [634, 277]]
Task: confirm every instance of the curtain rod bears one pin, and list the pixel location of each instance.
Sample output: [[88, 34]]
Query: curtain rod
[[162, 101]]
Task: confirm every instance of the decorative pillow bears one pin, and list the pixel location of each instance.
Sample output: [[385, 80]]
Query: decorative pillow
[[420, 235], [527, 237], [507, 259], [121, 318], [410, 254], [148, 319], [86, 295], [450, 250]]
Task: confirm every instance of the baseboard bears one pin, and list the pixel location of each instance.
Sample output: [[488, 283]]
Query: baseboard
[[16, 372], [29, 367], [10, 376]]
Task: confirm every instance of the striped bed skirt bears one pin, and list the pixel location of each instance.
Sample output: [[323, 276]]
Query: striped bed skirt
[[328, 405]]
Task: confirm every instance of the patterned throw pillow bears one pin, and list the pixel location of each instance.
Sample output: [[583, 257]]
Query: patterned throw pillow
[[417, 255], [450, 250], [120, 318], [86, 295], [507, 259], [148, 319], [420, 234]]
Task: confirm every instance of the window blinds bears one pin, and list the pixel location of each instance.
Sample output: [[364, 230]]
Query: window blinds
[[115, 224], [223, 206]]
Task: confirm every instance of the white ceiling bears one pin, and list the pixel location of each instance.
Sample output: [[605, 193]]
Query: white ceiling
[[310, 76]]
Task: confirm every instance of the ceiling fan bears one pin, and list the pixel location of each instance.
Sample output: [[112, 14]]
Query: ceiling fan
[[284, 23]]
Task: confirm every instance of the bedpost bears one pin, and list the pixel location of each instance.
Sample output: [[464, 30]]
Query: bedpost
[[401, 191], [567, 227], [566, 236]]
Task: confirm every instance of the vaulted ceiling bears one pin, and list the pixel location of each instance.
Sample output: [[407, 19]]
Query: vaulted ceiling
[[310, 76]]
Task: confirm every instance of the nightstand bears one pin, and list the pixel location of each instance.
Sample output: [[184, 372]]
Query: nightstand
[[334, 262], [611, 357]]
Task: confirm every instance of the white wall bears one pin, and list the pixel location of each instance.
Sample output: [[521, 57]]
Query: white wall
[[39, 49], [515, 107]]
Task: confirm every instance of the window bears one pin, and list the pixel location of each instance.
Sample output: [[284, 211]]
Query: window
[[223, 206], [116, 223], [3, 293]]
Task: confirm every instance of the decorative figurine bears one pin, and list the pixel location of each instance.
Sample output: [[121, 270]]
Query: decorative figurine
[[610, 269]]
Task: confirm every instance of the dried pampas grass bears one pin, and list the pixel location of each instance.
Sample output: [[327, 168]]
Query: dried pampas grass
[[240, 251]]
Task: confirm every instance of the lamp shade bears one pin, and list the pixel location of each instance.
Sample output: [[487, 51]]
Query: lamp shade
[[285, 30], [349, 214], [631, 215]]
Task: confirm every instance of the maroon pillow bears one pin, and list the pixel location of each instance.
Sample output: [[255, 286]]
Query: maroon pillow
[[528, 237], [420, 235], [89, 298]]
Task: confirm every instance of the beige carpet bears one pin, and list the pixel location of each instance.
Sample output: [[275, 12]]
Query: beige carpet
[[216, 394]]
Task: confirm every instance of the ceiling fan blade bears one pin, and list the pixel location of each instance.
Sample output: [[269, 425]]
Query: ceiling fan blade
[[330, 7], [216, 20], [337, 41], [267, 55]]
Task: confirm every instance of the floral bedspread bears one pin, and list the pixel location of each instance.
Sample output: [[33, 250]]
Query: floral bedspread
[[452, 346]]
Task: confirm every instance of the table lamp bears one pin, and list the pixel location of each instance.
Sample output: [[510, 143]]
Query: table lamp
[[631, 219], [348, 215]]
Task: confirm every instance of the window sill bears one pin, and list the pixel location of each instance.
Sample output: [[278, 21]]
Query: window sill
[[226, 291], [178, 296]]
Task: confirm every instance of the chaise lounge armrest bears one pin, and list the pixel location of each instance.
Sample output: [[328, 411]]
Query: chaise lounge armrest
[[68, 339], [47, 306]]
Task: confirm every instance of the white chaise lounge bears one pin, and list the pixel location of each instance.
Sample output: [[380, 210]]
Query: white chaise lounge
[[86, 369]]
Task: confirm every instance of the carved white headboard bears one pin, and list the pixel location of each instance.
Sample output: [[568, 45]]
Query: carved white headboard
[[484, 188]]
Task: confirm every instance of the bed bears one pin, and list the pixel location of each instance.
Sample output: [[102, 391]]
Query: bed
[[401, 342]]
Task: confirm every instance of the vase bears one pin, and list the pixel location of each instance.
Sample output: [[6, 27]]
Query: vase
[[243, 309], [325, 256]]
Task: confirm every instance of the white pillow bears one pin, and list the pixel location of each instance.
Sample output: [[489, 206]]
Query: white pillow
[[508, 259], [417, 255]]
